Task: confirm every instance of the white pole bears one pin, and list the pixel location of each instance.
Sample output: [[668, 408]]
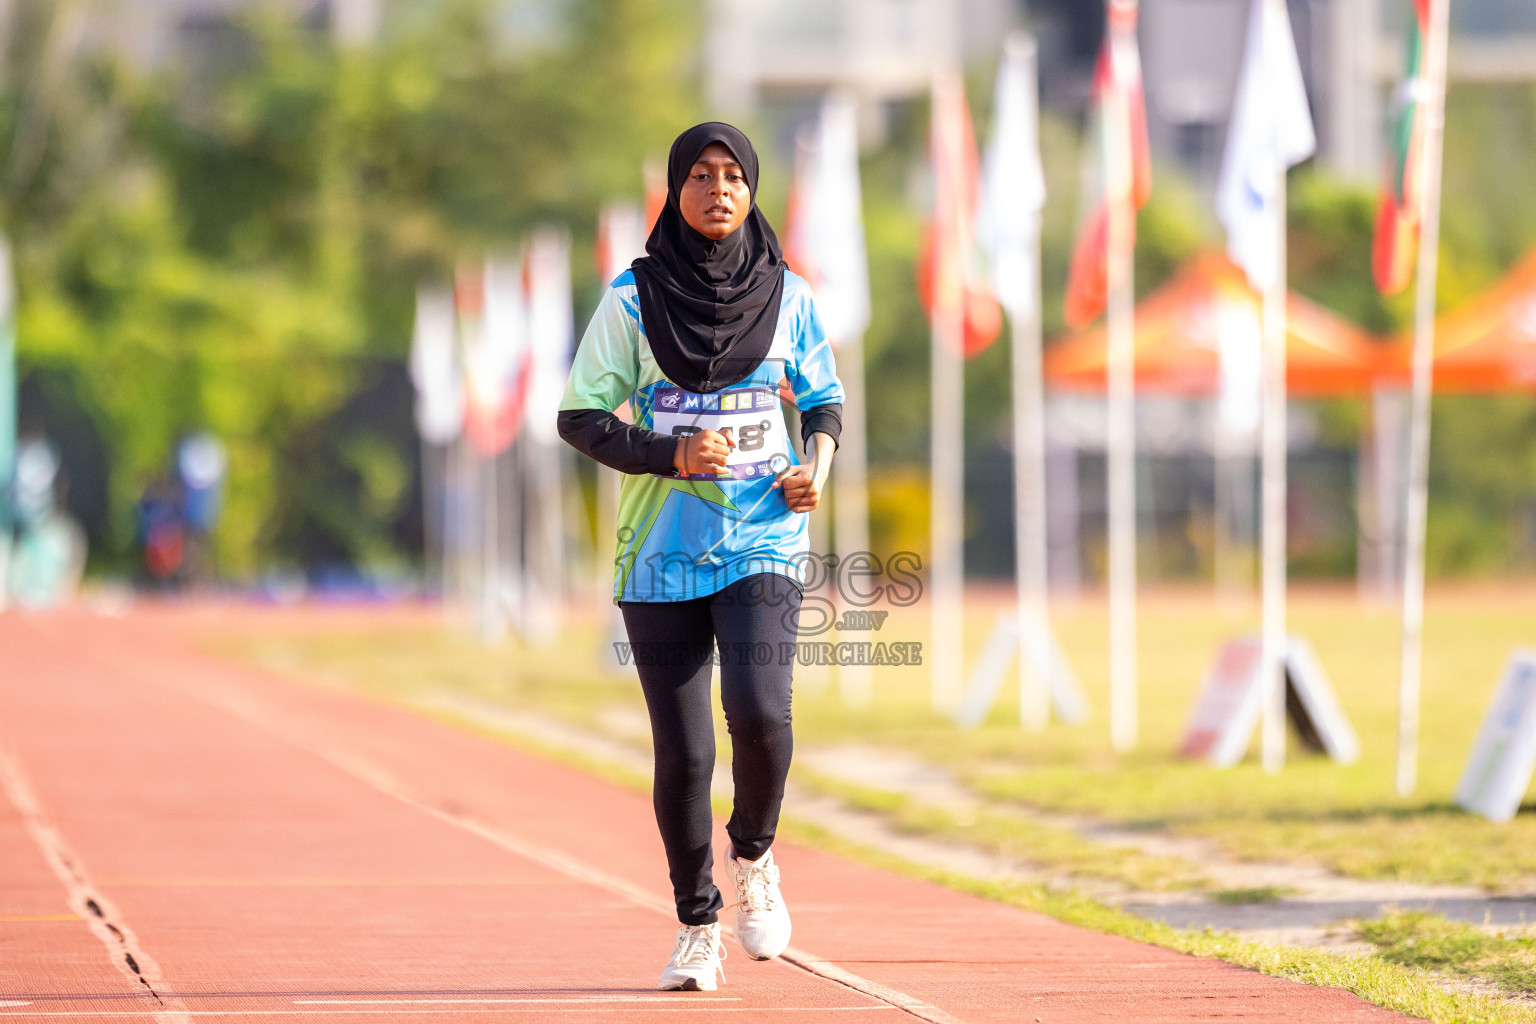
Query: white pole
[[1273, 479], [1389, 415], [851, 504], [1273, 487], [947, 484], [431, 515], [1233, 512], [460, 540], [1029, 505], [1121, 439], [491, 622], [1423, 383]]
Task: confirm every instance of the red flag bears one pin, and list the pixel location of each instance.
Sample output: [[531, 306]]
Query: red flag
[[655, 191], [493, 329], [949, 276], [1397, 212], [1120, 133]]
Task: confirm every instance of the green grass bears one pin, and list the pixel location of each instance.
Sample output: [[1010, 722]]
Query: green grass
[[1416, 939], [1044, 846], [1255, 894], [1345, 817], [1407, 989]]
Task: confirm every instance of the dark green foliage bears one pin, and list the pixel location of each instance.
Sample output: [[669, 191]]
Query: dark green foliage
[[234, 243]]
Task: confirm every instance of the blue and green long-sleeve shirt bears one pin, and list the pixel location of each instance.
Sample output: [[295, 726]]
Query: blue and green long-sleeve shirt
[[679, 538]]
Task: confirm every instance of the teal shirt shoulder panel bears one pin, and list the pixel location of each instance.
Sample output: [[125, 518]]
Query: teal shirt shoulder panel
[[676, 540]]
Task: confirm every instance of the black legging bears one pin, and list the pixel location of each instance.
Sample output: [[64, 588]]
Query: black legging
[[674, 645]]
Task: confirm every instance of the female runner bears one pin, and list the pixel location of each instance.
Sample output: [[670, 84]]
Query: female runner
[[705, 336]]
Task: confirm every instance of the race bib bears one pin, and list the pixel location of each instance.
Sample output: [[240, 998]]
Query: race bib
[[752, 414]]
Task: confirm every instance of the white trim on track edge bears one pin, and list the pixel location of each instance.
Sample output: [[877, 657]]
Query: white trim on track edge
[[104, 920], [242, 706]]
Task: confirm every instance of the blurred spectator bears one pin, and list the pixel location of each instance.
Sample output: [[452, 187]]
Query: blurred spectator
[[48, 555], [161, 533]]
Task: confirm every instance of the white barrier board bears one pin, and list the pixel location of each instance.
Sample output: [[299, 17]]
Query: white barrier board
[[1041, 655], [1227, 712], [1499, 770]]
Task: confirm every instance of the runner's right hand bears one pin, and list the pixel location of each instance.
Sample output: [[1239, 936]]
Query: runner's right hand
[[704, 452]]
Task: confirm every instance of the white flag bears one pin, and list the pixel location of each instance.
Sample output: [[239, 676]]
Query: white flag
[[435, 368], [826, 230], [551, 328], [1270, 130], [1013, 182]]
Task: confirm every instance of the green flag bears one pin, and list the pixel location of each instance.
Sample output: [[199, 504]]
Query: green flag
[[1397, 211]]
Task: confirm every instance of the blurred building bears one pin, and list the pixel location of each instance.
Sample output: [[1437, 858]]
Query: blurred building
[[1351, 53], [775, 52], [878, 49], [783, 54]]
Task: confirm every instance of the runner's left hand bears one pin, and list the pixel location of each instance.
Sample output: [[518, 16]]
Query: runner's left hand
[[800, 491]]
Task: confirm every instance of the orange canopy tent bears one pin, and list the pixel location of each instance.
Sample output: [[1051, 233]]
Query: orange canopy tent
[[1178, 340], [1489, 343]]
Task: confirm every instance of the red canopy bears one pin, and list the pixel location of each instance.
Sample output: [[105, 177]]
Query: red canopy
[[1487, 345], [1178, 332]]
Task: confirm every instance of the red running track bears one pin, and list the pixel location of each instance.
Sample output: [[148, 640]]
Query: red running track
[[185, 839]]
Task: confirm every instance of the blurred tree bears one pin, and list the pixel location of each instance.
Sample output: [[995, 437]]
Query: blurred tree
[[235, 243]]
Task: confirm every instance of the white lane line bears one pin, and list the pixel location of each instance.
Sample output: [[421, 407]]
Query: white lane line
[[103, 919], [242, 706]]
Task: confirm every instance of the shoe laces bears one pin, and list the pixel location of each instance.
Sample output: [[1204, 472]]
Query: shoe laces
[[696, 944], [754, 882]]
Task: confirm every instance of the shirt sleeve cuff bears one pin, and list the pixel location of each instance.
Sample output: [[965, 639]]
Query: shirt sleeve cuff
[[823, 419], [658, 459]]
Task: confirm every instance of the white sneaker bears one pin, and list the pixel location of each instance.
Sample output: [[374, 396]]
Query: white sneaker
[[695, 959], [762, 919]]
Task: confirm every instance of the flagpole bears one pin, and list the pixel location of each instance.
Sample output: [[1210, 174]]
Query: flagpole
[[1273, 495], [491, 621], [1121, 437], [947, 471], [1014, 173], [851, 505], [946, 486], [1273, 436], [431, 516], [1411, 664], [1029, 502]]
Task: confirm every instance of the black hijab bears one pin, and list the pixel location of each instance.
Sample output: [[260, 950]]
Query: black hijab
[[709, 307]]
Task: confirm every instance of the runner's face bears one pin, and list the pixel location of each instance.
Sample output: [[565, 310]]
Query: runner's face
[[715, 199]]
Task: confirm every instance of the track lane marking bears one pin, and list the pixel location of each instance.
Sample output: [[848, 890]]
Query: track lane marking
[[240, 704], [100, 916]]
